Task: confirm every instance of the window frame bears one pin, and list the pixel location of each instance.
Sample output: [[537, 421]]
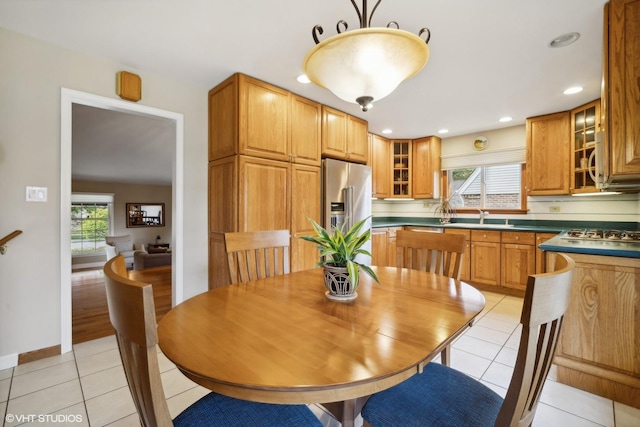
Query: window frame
[[446, 191]]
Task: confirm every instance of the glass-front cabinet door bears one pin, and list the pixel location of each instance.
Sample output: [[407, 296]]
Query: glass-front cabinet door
[[401, 168], [585, 122]]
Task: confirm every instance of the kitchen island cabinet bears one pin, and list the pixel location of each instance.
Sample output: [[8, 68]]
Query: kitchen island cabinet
[[548, 150], [599, 346]]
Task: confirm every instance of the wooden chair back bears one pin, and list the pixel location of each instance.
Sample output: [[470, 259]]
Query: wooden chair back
[[258, 254], [545, 303], [133, 315], [438, 253]]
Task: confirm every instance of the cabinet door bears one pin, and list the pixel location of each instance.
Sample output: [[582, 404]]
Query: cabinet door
[[425, 168], [264, 120], [465, 272], [585, 123], [306, 124], [622, 90], [223, 119], [518, 262], [485, 263], [223, 195], [334, 133], [400, 164], [264, 202], [541, 256], [357, 147], [379, 251], [392, 256], [380, 166], [548, 145], [305, 203]]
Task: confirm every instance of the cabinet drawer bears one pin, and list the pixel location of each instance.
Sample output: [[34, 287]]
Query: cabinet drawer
[[466, 233], [485, 236], [519, 237]]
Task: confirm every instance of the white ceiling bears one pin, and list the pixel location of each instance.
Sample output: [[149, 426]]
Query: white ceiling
[[489, 58]]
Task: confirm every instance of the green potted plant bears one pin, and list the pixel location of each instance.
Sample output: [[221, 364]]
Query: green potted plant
[[338, 251]]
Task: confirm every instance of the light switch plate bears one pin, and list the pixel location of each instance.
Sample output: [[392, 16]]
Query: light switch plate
[[36, 194]]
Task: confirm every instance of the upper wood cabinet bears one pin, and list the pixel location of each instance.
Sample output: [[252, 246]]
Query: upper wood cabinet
[[548, 150], [585, 122], [250, 117], [344, 136], [401, 164], [306, 120], [380, 166], [621, 88], [426, 167]]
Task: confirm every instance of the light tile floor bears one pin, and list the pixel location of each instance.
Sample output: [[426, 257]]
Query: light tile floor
[[87, 387]]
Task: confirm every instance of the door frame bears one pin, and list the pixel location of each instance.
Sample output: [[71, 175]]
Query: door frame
[[67, 99]]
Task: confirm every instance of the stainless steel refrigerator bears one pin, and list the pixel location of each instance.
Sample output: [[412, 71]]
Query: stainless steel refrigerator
[[347, 197]]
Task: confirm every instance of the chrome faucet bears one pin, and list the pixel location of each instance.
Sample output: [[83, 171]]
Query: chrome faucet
[[483, 214]]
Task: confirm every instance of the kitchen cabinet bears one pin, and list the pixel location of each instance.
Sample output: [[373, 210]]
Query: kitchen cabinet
[[620, 90], [401, 155], [344, 136], [548, 153], [599, 346], [585, 122], [264, 168], [518, 258], [485, 257], [541, 258], [465, 272], [380, 166], [425, 167], [383, 246], [250, 117]]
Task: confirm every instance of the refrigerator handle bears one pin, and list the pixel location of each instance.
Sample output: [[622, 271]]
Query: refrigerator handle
[[347, 196]]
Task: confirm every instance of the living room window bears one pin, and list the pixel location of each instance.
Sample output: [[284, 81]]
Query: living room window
[[91, 221]]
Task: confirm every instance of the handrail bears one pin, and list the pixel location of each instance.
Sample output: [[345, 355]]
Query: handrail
[[6, 238]]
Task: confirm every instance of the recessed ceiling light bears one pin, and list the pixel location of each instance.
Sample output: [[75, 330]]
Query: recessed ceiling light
[[505, 119], [573, 90], [564, 40], [443, 131], [386, 131], [302, 78]]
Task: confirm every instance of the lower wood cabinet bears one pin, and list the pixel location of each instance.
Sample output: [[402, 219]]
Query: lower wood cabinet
[[383, 246], [518, 258], [485, 257], [541, 258], [599, 346]]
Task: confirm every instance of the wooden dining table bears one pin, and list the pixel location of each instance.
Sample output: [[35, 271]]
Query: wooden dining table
[[280, 340]]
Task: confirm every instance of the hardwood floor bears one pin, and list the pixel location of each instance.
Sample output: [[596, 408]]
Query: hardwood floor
[[90, 315]]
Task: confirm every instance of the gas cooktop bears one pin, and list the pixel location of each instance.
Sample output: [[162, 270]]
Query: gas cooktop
[[603, 235]]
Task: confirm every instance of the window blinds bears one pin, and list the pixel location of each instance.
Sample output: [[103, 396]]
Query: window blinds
[[489, 158]]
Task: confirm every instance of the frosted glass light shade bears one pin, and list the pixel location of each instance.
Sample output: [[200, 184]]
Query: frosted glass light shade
[[369, 62]]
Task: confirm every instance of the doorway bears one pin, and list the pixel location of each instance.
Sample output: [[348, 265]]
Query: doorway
[[68, 99]]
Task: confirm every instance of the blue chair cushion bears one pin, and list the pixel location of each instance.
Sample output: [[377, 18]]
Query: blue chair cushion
[[222, 411], [439, 397]]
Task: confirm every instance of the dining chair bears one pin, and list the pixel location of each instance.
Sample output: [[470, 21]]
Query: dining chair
[[443, 396], [132, 314], [438, 253], [257, 254]]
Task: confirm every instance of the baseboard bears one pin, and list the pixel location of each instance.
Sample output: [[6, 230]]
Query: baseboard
[[39, 354], [8, 361]]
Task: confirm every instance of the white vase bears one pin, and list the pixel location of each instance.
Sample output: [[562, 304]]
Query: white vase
[[339, 284]]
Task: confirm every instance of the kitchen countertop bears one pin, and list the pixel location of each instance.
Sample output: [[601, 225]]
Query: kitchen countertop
[[556, 244], [592, 247]]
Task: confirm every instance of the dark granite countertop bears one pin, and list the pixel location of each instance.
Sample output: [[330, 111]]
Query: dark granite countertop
[[556, 244]]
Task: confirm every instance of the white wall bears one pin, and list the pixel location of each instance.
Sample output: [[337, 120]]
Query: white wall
[[31, 76], [624, 207]]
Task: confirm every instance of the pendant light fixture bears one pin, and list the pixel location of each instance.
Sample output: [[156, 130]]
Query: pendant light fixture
[[366, 64]]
